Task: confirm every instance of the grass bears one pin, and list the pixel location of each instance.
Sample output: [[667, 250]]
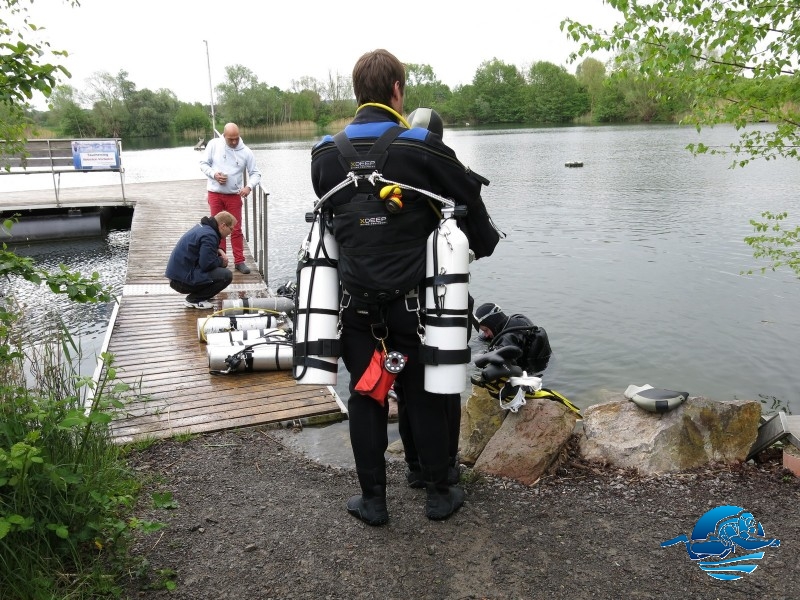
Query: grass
[[184, 436]]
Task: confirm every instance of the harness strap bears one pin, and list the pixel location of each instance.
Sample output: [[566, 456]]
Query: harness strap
[[456, 319], [317, 311], [315, 363], [446, 278], [324, 347], [373, 159], [323, 261], [433, 355]]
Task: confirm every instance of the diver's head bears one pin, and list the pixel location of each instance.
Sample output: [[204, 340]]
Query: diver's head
[[490, 318], [426, 118], [378, 76]]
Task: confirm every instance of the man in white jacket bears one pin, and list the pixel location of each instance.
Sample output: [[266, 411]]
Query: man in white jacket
[[226, 161]]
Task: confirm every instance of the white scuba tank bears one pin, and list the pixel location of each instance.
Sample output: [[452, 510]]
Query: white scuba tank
[[253, 357], [248, 336], [317, 308], [206, 325], [239, 306], [448, 258]]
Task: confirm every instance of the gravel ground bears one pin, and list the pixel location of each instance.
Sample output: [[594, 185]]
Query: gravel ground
[[257, 519]]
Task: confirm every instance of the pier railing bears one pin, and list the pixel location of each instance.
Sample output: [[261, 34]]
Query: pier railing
[[255, 215]]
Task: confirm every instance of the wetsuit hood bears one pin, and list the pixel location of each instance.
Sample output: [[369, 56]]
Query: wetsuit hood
[[492, 316]]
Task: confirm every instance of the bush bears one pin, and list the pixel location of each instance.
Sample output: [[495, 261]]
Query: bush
[[66, 494]]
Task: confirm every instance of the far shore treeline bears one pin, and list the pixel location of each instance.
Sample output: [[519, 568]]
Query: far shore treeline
[[500, 94]]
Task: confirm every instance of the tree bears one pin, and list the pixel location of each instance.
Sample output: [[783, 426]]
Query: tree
[[499, 92], [230, 93], [708, 48], [23, 71], [423, 88], [152, 113], [458, 107], [776, 243], [66, 114], [304, 105], [726, 56], [191, 117], [339, 96], [591, 74], [109, 109], [555, 95]]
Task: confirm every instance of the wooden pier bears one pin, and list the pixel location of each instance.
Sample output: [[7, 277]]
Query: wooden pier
[[154, 339]]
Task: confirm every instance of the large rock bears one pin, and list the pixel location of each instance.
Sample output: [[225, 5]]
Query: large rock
[[481, 417], [699, 432], [528, 441]]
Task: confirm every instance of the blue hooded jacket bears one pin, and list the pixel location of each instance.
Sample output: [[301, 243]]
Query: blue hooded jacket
[[196, 254]]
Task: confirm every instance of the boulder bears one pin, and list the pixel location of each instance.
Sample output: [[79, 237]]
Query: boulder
[[528, 441], [481, 417], [699, 432]]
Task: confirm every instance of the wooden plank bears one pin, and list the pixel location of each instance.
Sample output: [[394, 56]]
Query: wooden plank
[[156, 347]]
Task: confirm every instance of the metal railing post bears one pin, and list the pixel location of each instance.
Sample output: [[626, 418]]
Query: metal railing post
[[255, 193], [264, 263]]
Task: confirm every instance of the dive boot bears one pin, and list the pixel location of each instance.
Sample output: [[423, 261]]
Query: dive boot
[[370, 509], [417, 481], [443, 499], [414, 476], [370, 506]]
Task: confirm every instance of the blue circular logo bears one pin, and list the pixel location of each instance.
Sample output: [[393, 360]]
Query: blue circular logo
[[716, 538]]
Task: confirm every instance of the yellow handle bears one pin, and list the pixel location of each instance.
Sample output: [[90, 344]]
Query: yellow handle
[[390, 190]]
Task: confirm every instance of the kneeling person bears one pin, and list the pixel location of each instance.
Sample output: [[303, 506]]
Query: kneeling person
[[197, 266]]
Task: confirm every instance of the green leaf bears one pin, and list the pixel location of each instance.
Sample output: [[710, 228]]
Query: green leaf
[[164, 500], [5, 527]]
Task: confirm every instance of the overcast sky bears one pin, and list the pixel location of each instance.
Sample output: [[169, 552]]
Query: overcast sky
[[160, 43]]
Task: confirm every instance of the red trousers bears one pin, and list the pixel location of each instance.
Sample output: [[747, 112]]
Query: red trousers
[[233, 204]]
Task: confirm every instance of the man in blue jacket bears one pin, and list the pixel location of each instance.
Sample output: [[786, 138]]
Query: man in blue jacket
[[197, 265]]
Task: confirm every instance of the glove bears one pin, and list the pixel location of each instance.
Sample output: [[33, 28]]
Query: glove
[[499, 356], [495, 372]]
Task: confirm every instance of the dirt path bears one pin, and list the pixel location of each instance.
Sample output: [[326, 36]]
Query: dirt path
[[258, 520]]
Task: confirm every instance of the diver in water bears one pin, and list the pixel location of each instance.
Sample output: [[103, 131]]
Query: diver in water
[[517, 355], [518, 331]]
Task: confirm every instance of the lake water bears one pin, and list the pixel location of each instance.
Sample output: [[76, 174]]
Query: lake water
[[631, 263]]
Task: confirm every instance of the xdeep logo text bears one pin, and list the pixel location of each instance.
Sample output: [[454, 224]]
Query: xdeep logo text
[[371, 221], [362, 164]]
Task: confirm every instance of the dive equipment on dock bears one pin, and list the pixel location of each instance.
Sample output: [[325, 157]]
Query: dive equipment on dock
[[265, 355], [240, 306], [216, 323], [247, 336]]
